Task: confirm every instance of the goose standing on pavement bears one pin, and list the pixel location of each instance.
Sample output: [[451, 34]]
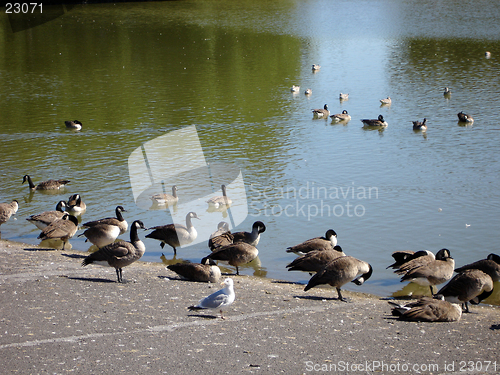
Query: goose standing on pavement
[[63, 229], [315, 260], [218, 300], [428, 309], [7, 210], [321, 112], [166, 199], [175, 235], [119, 254], [490, 266], [253, 237], [45, 185], [406, 260], [220, 200], [221, 237], [236, 254], [43, 219], [101, 234], [316, 243], [339, 272], [119, 220]]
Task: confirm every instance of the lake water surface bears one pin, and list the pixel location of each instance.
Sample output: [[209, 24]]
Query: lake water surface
[[221, 71]]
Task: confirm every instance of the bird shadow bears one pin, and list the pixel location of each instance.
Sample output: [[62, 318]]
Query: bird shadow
[[39, 249], [286, 282], [203, 316], [317, 298], [92, 279], [74, 256], [495, 327]]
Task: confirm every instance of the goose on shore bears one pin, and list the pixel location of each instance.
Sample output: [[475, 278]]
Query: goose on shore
[[101, 234], [344, 116], [236, 254], [175, 235], [329, 241], [339, 272], [221, 237], [463, 117], [7, 210], [315, 260], [119, 254], [43, 219], [196, 271], [379, 122], [428, 309], [75, 205], [63, 229], [220, 200], [408, 260], [321, 112], [252, 237], [75, 125], [433, 273], [119, 221], [490, 266], [166, 199], [219, 300], [45, 185]]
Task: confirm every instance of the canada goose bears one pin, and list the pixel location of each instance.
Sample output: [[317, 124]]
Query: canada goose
[[428, 309], [315, 260], [316, 67], [462, 117], [218, 300], [221, 237], [339, 272], [344, 116], [119, 254], [433, 273], [7, 210], [343, 97], [487, 54], [166, 199], [400, 257], [235, 254], [379, 122], [175, 235], [407, 263], [447, 92], [101, 234], [322, 112], [253, 237], [75, 124], [196, 271], [220, 200], [64, 229], [75, 205], [490, 266], [45, 185], [119, 221], [317, 243], [295, 89], [43, 219], [417, 125], [469, 285], [386, 101], [308, 92]]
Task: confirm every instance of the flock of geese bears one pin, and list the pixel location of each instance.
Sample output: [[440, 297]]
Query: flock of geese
[[321, 257]]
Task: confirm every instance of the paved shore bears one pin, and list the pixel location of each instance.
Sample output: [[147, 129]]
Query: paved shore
[[57, 317]]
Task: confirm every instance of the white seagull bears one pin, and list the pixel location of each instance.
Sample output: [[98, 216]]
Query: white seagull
[[218, 300]]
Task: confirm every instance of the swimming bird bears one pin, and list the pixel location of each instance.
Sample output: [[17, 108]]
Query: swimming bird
[[316, 67], [63, 229], [219, 300], [221, 237], [428, 309], [329, 241], [43, 219], [45, 185], [236, 254], [253, 237], [417, 125], [379, 122], [344, 116], [197, 271], [433, 273], [75, 124], [120, 254], [487, 54], [470, 285], [295, 89], [315, 260], [343, 97], [119, 220], [220, 200], [175, 235], [339, 272], [308, 92], [386, 101], [322, 112], [101, 234], [75, 205], [166, 199], [490, 266], [7, 210], [447, 92], [462, 117]]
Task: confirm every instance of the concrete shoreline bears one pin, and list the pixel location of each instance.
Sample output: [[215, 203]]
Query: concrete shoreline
[[58, 317]]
